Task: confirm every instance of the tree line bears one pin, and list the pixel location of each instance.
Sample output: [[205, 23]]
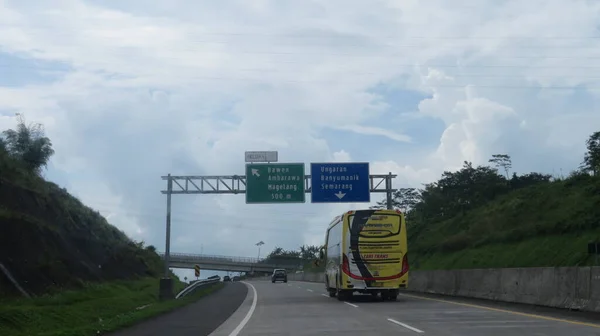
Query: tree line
[[27, 145], [304, 253], [472, 186]]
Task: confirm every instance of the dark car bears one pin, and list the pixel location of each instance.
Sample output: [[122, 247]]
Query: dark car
[[279, 275], [226, 278], [236, 278]]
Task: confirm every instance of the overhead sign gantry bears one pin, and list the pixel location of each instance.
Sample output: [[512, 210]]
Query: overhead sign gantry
[[267, 181]]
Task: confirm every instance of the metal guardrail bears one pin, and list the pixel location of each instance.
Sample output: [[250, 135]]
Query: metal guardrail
[[195, 285]]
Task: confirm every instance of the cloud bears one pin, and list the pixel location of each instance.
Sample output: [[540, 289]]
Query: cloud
[[132, 91], [366, 130]]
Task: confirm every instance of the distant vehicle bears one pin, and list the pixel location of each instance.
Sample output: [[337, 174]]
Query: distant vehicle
[[236, 278], [366, 251], [226, 278], [279, 274]]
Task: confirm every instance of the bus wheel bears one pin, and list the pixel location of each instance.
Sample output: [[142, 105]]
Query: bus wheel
[[343, 295], [340, 295], [331, 292], [390, 296]]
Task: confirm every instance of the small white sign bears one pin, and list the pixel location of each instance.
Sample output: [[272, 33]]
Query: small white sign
[[266, 156]]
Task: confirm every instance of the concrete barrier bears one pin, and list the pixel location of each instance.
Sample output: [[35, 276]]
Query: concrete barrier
[[576, 288]]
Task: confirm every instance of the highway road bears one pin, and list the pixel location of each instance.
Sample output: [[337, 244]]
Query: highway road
[[302, 308]]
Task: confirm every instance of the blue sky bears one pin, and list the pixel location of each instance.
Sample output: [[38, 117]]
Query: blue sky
[[20, 70], [133, 90]]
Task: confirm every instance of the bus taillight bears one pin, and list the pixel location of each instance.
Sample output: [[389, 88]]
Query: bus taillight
[[345, 264], [405, 265]]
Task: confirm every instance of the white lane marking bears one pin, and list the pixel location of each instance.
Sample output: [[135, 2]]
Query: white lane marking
[[299, 287], [310, 290], [406, 326], [250, 312], [438, 321], [290, 285], [351, 304], [325, 295]]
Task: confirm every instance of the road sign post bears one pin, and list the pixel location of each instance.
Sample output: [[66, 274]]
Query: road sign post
[[197, 271], [265, 156], [340, 182], [275, 183]]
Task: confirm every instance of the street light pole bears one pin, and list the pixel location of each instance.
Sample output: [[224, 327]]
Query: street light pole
[[259, 244]]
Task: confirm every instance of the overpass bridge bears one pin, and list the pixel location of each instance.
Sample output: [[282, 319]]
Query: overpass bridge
[[228, 263]]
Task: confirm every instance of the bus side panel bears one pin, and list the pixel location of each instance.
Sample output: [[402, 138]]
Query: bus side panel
[[333, 255], [349, 282], [345, 280]]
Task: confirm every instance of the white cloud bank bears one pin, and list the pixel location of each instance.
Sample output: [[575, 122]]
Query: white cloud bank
[[142, 89]]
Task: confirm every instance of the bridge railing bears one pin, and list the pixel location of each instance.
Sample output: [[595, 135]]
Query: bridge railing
[[246, 260]]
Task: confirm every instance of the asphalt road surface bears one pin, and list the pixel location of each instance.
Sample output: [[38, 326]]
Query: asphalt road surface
[[197, 319], [302, 308]]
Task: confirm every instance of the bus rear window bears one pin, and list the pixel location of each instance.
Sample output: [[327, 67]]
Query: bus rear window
[[377, 225]]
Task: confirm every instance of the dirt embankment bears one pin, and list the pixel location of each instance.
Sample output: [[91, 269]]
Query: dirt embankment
[[49, 239]]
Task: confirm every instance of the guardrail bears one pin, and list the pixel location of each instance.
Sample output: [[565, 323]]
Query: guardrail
[[194, 286]]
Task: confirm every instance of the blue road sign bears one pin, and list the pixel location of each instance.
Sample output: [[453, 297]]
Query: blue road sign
[[340, 182]]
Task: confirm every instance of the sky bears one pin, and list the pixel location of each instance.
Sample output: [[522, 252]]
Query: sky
[[129, 91]]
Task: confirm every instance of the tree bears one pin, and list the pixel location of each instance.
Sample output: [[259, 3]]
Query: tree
[[29, 145], [404, 199], [279, 254], [502, 161], [527, 180], [308, 252], [591, 159]]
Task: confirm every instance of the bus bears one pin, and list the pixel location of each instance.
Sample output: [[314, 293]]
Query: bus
[[365, 251]]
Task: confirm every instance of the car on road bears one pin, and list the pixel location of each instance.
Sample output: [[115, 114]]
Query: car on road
[[236, 278], [279, 275], [226, 278]]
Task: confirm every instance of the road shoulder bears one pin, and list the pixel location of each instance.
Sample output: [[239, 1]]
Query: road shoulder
[[196, 319]]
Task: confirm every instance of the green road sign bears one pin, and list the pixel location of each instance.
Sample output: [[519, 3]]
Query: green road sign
[[275, 183]]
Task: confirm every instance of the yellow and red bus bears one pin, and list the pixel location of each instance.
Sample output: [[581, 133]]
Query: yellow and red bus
[[365, 251]]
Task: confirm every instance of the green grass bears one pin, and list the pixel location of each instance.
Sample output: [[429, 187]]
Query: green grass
[[554, 250], [543, 225], [93, 310]]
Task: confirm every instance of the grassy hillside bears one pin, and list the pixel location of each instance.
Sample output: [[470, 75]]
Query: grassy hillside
[[93, 310], [49, 240], [547, 224]]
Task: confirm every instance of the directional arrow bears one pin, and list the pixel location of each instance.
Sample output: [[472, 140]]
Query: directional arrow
[[255, 172], [340, 195]]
